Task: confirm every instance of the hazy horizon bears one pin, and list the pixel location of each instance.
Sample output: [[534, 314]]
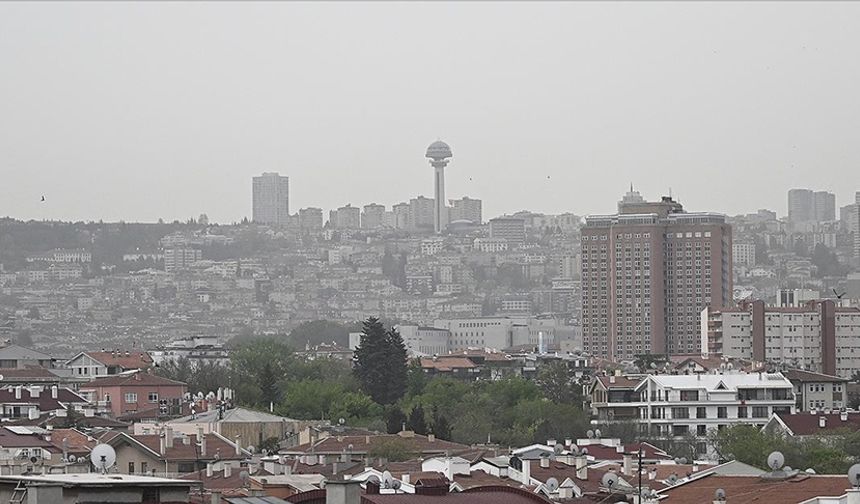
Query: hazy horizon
[[141, 111]]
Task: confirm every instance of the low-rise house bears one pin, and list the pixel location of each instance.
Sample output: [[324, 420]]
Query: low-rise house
[[129, 393], [361, 446], [799, 488], [93, 488], [172, 453], [18, 357], [813, 424], [612, 398], [20, 402], [96, 364], [817, 391], [23, 449]]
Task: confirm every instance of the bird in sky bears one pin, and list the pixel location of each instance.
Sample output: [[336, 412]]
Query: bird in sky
[[43, 198]]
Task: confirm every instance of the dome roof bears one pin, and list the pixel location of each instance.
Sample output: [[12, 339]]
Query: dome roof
[[438, 150]]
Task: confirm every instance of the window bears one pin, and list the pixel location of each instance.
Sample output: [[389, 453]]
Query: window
[[107, 397], [721, 412], [680, 413], [759, 412], [131, 467], [689, 395], [144, 467], [701, 430], [153, 397], [700, 412], [742, 411], [131, 397]]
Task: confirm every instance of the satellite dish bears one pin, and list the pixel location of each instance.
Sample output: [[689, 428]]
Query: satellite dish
[[516, 463], [251, 448], [810, 471], [1, 377], [609, 480], [590, 434], [73, 459], [775, 460], [282, 460], [854, 475], [558, 449], [103, 457], [597, 433], [584, 451], [552, 485], [387, 480], [683, 460], [34, 459], [395, 484], [373, 479], [720, 495], [787, 468], [341, 421], [672, 479]]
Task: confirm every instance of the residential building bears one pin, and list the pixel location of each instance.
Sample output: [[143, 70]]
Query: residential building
[[360, 446], [816, 391], [818, 336], [271, 199], [815, 423], [135, 393], [96, 364], [743, 254], [682, 405], [93, 488], [373, 216], [196, 349], [310, 219], [62, 255], [421, 213], [465, 209], [252, 427], [805, 205], [634, 305], [345, 217], [399, 217], [179, 258], [613, 397], [490, 245], [510, 229], [17, 357], [171, 453], [30, 402]]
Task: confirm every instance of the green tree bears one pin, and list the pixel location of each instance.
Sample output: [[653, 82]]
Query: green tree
[[259, 368], [319, 331], [417, 422], [391, 449], [440, 426], [557, 384], [380, 362], [394, 420]]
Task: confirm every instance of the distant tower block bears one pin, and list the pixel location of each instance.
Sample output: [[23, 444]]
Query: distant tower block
[[439, 153]]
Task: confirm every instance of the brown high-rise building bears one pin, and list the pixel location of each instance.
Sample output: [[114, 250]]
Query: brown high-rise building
[[647, 273]]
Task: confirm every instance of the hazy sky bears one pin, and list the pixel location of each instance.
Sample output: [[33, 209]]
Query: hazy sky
[[140, 111]]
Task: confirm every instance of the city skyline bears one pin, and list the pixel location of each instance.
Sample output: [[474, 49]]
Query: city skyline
[[151, 127]]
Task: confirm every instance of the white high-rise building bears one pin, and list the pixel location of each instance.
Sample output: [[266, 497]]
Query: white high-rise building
[[271, 199]]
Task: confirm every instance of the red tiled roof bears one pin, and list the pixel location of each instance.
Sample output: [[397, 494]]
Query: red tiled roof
[[602, 452], [477, 495], [9, 439], [806, 424], [45, 400], [809, 376], [611, 382], [755, 489], [362, 444], [183, 452], [124, 360], [77, 441], [131, 380], [447, 363]]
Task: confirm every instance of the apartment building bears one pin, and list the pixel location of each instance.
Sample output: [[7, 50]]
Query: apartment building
[[818, 336], [647, 272]]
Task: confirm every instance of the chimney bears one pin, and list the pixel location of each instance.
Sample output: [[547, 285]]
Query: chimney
[[581, 467], [216, 496], [53, 392], [568, 442], [550, 442], [611, 378], [161, 443], [544, 462], [228, 470], [322, 459], [853, 495], [431, 437], [843, 416], [527, 472], [33, 413], [202, 439], [343, 491], [619, 449], [652, 474], [405, 478], [168, 437], [209, 470], [626, 464], [34, 391], [17, 391], [238, 447], [822, 422]]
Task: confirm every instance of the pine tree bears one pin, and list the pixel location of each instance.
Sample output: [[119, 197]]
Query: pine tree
[[394, 420], [441, 428], [416, 422], [380, 362]]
